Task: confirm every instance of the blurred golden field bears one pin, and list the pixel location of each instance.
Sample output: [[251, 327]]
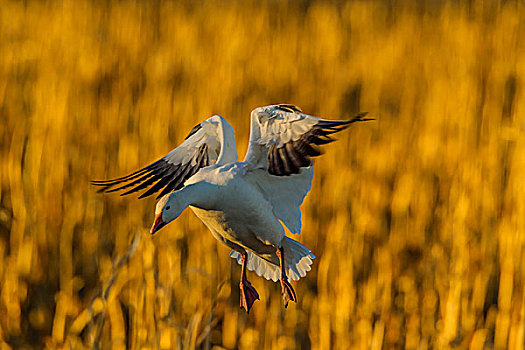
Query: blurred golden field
[[417, 219]]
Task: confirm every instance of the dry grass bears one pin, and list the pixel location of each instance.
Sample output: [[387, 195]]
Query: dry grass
[[419, 233]]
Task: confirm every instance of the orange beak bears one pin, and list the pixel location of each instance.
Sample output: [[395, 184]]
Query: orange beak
[[158, 224]]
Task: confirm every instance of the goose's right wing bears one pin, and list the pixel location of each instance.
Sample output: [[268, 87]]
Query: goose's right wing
[[202, 147]]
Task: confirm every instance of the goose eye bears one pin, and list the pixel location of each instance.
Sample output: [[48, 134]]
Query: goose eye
[[168, 207]]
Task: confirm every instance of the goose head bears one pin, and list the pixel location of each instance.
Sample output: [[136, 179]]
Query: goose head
[[168, 209]]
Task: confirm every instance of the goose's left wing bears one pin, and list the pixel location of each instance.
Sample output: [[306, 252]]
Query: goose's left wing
[[282, 142], [283, 139], [203, 146]]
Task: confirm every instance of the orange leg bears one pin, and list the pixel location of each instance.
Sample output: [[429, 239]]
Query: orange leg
[[248, 293], [287, 290]]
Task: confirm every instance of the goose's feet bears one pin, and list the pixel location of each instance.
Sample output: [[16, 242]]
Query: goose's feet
[[287, 289], [248, 295], [288, 292]]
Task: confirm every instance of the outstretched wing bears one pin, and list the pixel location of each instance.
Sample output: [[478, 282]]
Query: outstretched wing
[[283, 139], [282, 142], [202, 147]]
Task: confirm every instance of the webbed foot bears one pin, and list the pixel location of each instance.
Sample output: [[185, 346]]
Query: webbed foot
[[248, 295]]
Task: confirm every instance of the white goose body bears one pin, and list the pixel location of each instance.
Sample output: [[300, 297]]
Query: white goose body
[[233, 208], [243, 203]]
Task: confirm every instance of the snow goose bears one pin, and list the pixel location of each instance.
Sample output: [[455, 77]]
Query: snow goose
[[243, 203]]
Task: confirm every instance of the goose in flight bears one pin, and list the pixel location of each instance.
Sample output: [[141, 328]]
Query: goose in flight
[[243, 204]]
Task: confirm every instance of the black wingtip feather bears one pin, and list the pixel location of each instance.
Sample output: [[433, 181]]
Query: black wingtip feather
[[194, 130], [289, 108], [275, 166], [117, 180], [130, 184], [177, 179], [318, 140], [360, 117], [163, 181], [126, 178], [289, 167], [298, 159], [143, 185]]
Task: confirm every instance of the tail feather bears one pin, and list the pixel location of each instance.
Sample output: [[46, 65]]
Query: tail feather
[[297, 259], [258, 265]]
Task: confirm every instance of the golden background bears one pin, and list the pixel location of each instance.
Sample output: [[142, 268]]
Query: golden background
[[417, 219]]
